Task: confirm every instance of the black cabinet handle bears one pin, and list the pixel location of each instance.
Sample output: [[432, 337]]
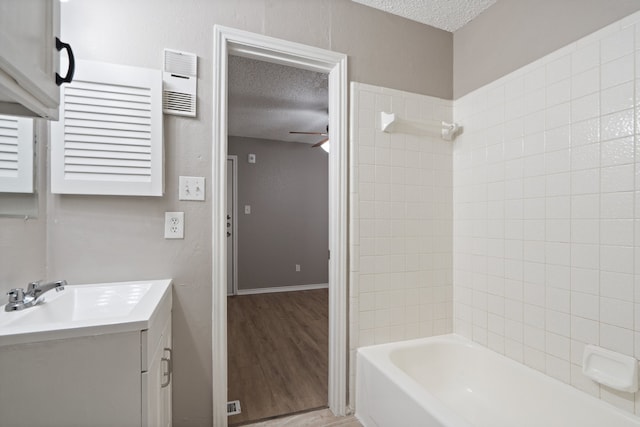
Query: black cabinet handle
[[72, 63]]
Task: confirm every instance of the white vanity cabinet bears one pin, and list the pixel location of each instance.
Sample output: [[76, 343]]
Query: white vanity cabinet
[[119, 378], [29, 58]]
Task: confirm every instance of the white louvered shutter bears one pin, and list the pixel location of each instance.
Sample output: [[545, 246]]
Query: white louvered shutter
[[16, 155], [109, 136]]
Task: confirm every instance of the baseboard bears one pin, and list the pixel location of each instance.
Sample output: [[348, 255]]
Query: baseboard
[[283, 289]]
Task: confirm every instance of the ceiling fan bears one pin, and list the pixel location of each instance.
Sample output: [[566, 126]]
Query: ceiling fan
[[317, 144]]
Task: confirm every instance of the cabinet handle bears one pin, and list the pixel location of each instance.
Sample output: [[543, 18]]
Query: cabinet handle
[[72, 63], [169, 371]]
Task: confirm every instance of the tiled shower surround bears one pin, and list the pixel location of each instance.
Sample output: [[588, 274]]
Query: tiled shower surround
[[547, 207], [401, 219]]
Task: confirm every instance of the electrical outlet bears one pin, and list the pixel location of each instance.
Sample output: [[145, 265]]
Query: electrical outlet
[[174, 225], [297, 267], [191, 188]]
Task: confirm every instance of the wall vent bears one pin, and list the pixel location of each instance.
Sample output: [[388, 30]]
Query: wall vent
[[233, 408], [109, 137], [180, 74]]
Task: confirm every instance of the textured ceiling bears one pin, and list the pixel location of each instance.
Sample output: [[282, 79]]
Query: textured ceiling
[[448, 15], [268, 100]]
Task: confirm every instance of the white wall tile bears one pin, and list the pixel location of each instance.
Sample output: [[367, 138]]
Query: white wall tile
[[617, 205], [585, 306], [558, 138], [559, 69], [545, 215], [558, 93], [585, 157], [586, 280], [401, 210], [616, 312], [617, 178], [617, 125], [616, 98], [616, 338], [618, 44], [588, 106], [587, 82], [618, 151], [585, 132], [617, 71], [585, 206], [586, 181], [585, 58], [616, 232]]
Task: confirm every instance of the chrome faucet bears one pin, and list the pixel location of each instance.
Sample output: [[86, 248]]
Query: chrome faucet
[[20, 299]]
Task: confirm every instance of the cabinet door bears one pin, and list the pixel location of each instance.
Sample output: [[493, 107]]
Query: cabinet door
[[165, 392], [157, 384], [28, 58]]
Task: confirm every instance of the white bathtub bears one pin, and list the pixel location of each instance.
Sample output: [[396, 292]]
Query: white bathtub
[[449, 381]]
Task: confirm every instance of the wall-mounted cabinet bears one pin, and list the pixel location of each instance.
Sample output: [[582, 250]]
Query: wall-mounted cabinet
[[29, 58]]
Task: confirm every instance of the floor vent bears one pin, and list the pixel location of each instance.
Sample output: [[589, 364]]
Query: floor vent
[[233, 408]]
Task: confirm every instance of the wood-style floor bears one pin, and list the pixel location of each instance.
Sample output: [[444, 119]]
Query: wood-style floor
[[278, 353]]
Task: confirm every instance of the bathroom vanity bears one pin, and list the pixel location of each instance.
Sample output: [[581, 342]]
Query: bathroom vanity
[[91, 355]]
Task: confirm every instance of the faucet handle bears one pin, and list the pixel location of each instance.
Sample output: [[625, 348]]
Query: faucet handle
[[16, 295], [33, 285]]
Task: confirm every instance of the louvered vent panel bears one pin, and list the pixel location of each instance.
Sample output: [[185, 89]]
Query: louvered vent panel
[[16, 155], [8, 147], [107, 132], [109, 139]]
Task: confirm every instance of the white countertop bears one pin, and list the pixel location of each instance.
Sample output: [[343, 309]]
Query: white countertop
[[85, 310]]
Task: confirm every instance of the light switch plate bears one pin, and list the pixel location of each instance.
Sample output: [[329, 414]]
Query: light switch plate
[[191, 188]]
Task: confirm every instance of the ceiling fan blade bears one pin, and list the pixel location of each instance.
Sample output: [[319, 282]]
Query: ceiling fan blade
[[318, 144], [308, 133]]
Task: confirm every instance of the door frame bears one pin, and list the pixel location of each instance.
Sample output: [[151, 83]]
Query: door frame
[[242, 43], [234, 224]]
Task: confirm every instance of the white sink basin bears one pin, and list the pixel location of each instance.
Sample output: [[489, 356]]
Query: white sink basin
[[81, 310]]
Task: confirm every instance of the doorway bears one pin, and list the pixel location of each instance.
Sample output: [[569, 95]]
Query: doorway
[[230, 41]]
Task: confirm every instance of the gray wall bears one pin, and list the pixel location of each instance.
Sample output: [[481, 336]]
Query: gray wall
[[287, 189], [513, 33], [93, 239]]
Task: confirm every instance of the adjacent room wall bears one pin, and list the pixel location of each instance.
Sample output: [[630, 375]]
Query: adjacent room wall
[[287, 189], [513, 33], [546, 209]]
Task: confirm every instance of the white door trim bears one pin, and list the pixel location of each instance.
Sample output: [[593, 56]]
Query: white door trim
[[234, 223], [231, 41]]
